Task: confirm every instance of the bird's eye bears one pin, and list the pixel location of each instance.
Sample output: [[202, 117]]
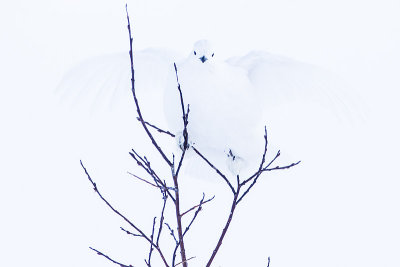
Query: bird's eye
[[212, 55], [194, 52]]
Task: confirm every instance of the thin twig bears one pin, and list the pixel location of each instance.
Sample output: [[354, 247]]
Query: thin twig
[[158, 129], [236, 193], [260, 170], [122, 216], [216, 169], [191, 258], [151, 244], [172, 232], [145, 164], [135, 98], [192, 208], [185, 120], [199, 207], [144, 180], [179, 221], [184, 113], [221, 238], [161, 219], [108, 258], [130, 233]]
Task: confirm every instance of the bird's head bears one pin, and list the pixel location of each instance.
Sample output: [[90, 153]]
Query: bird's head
[[203, 51]]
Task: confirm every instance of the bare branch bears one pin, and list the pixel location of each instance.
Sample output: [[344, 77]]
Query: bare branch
[[145, 164], [172, 233], [269, 260], [130, 233], [199, 207], [161, 219], [192, 208], [151, 244], [261, 169], [144, 180], [108, 258], [180, 163], [216, 169], [135, 98], [221, 238], [179, 222], [283, 167], [185, 115], [158, 129], [265, 148], [122, 216], [186, 260], [265, 170]]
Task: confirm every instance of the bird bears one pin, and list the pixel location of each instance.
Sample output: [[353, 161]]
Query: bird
[[230, 101]]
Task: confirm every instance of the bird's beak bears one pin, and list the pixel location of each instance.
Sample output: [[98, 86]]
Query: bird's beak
[[203, 59]]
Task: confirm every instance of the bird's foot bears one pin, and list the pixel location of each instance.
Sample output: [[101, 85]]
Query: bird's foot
[[235, 163], [183, 141]]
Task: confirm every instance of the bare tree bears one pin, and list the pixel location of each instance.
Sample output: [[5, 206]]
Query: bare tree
[[171, 193]]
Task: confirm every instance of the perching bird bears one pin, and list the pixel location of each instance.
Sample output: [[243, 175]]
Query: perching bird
[[230, 100]]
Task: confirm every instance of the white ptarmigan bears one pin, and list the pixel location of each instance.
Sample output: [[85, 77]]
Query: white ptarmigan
[[224, 118], [230, 100]]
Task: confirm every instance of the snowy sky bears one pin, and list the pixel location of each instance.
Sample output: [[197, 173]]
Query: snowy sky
[[345, 213]]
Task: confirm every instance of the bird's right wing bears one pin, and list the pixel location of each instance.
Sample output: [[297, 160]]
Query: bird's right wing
[[105, 81]]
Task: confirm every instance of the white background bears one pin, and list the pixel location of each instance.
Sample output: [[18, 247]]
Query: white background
[[341, 210]]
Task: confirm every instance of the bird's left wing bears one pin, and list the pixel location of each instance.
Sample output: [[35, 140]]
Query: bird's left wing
[[279, 81]]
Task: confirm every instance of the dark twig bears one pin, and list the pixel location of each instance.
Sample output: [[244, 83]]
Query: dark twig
[[185, 114], [269, 260], [179, 221], [161, 219], [221, 238], [282, 167], [236, 193], [180, 162], [108, 258], [265, 170], [122, 216], [192, 208], [199, 207], [151, 244], [158, 129], [191, 258], [145, 164], [172, 233], [174, 254], [261, 169], [185, 120], [144, 180], [135, 98], [216, 169], [130, 233]]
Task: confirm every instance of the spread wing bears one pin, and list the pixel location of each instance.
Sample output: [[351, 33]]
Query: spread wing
[[105, 81], [280, 82]]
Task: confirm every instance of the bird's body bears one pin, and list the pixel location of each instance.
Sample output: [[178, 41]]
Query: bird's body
[[224, 114]]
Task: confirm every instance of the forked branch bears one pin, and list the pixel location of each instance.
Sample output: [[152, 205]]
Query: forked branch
[[123, 217]]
